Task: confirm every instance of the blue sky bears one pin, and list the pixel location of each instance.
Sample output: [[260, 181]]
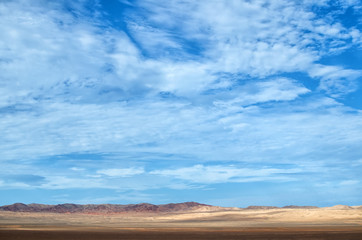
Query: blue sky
[[230, 103]]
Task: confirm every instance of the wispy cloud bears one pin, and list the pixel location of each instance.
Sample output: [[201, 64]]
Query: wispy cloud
[[178, 94], [349, 182], [221, 174], [123, 172], [335, 80], [281, 89]]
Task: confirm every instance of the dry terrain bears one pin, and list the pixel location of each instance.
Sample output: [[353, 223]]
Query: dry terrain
[[202, 222]]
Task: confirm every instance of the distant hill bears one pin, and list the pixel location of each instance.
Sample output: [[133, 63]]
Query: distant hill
[[103, 208], [141, 208], [261, 207], [273, 207], [304, 207], [340, 207]]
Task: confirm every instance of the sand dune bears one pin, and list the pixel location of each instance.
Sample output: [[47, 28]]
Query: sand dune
[[202, 217], [333, 223]]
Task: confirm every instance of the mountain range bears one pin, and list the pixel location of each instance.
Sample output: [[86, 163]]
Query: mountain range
[[118, 208], [102, 208]]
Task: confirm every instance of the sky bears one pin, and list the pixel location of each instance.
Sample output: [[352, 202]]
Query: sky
[[224, 102]]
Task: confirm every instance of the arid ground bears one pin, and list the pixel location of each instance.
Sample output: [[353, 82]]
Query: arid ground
[[320, 223]]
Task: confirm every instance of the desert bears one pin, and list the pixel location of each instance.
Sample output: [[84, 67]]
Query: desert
[[180, 119], [178, 221]]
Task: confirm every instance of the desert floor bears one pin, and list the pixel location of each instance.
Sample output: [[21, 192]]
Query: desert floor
[[320, 223]]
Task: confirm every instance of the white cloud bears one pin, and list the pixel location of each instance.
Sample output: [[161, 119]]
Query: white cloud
[[50, 54], [314, 2], [258, 39], [221, 174], [58, 181], [186, 79], [73, 85], [47, 49], [153, 40], [126, 198], [335, 80], [121, 172], [280, 89], [349, 182], [349, 3], [220, 132], [77, 169]]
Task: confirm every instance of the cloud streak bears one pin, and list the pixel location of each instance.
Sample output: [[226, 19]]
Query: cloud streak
[[179, 95], [122, 172], [219, 174]]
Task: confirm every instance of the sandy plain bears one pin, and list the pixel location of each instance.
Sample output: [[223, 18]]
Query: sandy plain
[[319, 223]]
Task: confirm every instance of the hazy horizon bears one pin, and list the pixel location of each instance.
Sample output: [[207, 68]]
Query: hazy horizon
[[227, 103], [140, 203]]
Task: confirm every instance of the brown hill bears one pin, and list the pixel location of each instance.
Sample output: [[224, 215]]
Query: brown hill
[[16, 207], [298, 207], [273, 207], [261, 207], [102, 208], [340, 207]]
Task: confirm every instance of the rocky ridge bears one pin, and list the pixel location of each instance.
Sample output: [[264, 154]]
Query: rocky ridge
[[103, 208], [135, 208]]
